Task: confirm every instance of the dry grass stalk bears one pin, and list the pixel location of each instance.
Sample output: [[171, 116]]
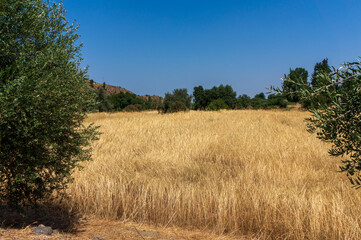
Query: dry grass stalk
[[244, 172]]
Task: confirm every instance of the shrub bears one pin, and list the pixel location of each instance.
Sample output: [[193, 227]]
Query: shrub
[[243, 101], [217, 104], [179, 100], [133, 108]]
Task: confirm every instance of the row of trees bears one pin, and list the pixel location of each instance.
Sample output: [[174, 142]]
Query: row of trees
[[216, 98], [223, 96]]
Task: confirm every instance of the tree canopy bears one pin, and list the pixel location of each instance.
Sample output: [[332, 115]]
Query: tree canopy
[[319, 69], [203, 97], [297, 80], [177, 101]]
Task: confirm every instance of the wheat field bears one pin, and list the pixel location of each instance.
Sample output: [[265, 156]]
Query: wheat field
[[245, 173]]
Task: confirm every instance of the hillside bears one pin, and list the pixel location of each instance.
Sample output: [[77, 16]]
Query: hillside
[[110, 89]]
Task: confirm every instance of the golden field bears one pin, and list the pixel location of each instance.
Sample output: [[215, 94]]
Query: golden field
[[249, 173]]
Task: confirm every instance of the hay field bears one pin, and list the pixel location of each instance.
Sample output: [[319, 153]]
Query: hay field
[[247, 173]]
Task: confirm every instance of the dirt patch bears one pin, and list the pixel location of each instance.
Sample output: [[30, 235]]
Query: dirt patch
[[111, 230], [71, 226]]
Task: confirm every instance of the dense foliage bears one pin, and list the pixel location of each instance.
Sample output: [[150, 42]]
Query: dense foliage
[[317, 81], [103, 101], [217, 104], [131, 102], [177, 101], [122, 101], [223, 97], [204, 97], [297, 81], [43, 98]]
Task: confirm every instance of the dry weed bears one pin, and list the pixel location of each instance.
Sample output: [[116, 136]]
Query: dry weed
[[257, 173]]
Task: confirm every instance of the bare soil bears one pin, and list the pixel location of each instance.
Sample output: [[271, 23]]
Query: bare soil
[[74, 227]]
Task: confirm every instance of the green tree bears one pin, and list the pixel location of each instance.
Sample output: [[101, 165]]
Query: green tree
[[177, 101], [104, 104], [121, 100], [200, 101], [320, 69], [91, 83], [202, 98], [228, 95], [260, 96], [276, 100], [211, 94], [148, 104], [43, 98], [297, 80], [243, 101]]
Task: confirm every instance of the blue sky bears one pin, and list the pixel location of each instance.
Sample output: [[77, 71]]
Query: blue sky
[[155, 46]]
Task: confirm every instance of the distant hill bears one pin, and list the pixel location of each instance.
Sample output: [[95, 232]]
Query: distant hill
[[110, 89]]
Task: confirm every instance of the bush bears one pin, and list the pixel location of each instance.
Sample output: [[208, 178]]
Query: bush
[[179, 100], [277, 101], [243, 101], [217, 104], [122, 100], [43, 98], [133, 108]]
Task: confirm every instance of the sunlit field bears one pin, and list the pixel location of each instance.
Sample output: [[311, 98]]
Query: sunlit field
[[244, 173]]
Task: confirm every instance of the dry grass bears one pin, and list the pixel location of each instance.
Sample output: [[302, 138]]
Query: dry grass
[[255, 173]]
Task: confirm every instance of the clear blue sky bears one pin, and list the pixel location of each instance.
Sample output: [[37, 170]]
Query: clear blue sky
[[155, 46]]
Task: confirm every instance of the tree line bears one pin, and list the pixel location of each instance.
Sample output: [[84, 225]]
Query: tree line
[[222, 96], [215, 98]]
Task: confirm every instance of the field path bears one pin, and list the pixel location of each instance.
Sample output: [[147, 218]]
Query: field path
[[112, 230]]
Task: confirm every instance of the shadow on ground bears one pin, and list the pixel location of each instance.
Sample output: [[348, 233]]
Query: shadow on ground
[[55, 216]]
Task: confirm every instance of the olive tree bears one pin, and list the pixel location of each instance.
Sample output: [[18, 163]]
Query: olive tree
[[338, 122], [43, 99]]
